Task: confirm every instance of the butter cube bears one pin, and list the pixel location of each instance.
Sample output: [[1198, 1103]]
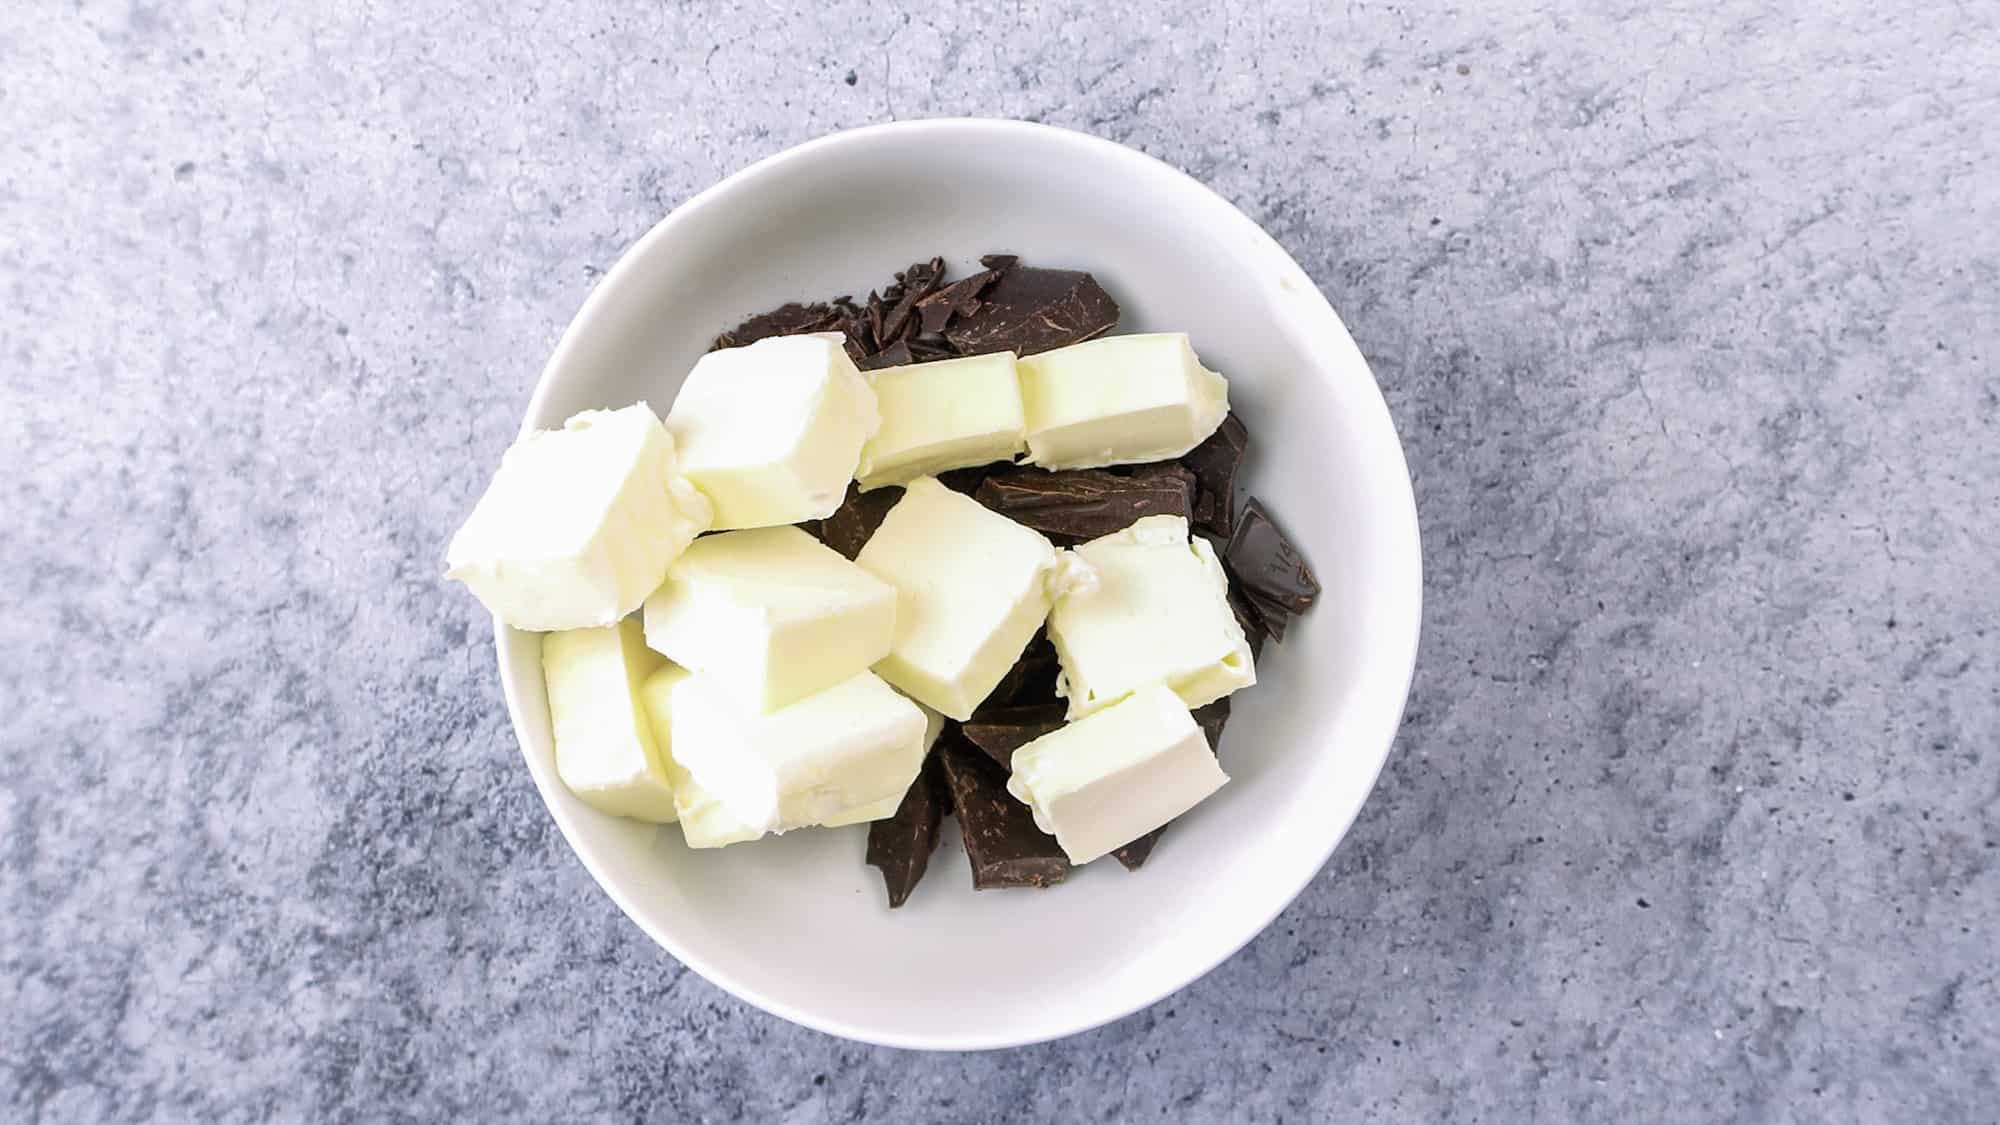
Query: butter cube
[[771, 615], [1104, 781], [950, 414], [705, 822], [606, 752], [1158, 613], [853, 745], [772, 432], [886, 807], [972, 586], [579, 524], [1119, 400]]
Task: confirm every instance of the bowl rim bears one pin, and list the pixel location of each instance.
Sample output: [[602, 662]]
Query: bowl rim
[[1000, 129]]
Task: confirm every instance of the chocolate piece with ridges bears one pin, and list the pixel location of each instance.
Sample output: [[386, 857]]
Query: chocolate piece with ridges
[[1002, 843], [848, 529], [1001, 731], [1077, 504], [1215, 463], [915, 283], [1032, 310], [895, 355], [901, 846], [1270, 568]]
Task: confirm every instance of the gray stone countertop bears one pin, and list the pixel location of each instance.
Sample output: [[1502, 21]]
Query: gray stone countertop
[[1689, 316]]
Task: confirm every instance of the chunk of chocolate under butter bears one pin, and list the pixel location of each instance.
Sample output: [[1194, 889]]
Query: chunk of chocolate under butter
[[1002, 843], [1077, 504]]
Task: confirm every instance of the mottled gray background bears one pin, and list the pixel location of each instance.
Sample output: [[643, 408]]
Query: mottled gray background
[[1687, 314]]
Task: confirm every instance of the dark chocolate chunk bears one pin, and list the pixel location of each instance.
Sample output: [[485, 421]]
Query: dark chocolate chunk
[[1001, 840], [1133, 855], [1078, 504], [1033, 310], [785, 320], [1271, 618], [848, 529], [1001, 262], [966, 481], [1032, 679], [915, 283], [1271, 570], [1212, 717], [895, 355], [901, 845], [960, 298], [1215, 463], [1003, 730]]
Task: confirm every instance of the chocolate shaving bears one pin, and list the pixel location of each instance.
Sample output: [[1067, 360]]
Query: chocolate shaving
[[1215, 463], [1077, 504], [895, 355], [960, 298], [851, 525], [1002, 843], [1269, 566], [1030, 310], [1001, 731], [901, 846], [917, 282]]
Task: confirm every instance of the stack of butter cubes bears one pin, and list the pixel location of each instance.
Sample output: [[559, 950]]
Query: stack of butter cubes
[[709, 663]]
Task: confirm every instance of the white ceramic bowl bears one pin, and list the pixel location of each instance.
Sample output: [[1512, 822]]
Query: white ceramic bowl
[[797, 925]]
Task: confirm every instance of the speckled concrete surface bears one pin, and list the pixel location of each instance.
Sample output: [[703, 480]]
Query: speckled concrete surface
[[1687, 314]]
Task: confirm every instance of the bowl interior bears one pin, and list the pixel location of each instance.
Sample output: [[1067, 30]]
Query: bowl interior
[[798, 924]]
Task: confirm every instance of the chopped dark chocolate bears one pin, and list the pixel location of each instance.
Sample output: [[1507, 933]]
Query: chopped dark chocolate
[[1032, 679], [901, 845], [1271, 570], [1030, 310], [895, 355], [1003, 730], [966, 481], [1271, 618], [1133, 855], [848, 529], [1212, 717], [1077, 504], [916, 283], [1215, 463], [785, 320], [960, 298], [1001, 840]]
